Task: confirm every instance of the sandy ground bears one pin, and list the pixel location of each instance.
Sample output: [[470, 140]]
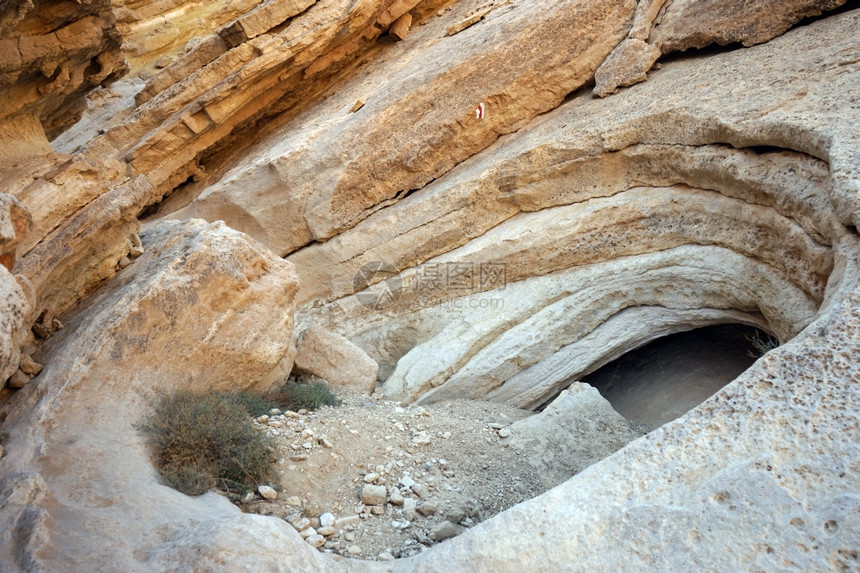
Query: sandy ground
[[448, 466], [462, 468]]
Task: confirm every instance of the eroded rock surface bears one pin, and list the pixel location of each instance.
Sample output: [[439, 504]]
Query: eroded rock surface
[[579, 428], [687, 211], [51, 55], [661, 27], [334, 358], [323, 173], [205, 307]]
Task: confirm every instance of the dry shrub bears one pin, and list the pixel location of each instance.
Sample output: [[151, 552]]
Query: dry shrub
[[203, 440], [309, 396]]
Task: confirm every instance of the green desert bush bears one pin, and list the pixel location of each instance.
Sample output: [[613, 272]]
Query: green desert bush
[[203, 440], [309, 396]]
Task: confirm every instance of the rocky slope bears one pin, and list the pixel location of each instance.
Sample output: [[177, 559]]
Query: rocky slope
[[474, 199]]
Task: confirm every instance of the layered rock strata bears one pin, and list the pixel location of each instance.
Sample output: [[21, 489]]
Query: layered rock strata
[[673, 210]]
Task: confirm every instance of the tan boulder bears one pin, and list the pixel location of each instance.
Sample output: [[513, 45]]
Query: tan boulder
[[628, 64], [577, 429], [331, 356], [204, 308]]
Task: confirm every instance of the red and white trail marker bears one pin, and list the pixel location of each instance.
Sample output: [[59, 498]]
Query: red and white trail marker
[[479, 113]]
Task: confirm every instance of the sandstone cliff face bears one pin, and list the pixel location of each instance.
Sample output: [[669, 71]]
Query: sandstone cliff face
[[51, 55], [462, 210], [611, 189]]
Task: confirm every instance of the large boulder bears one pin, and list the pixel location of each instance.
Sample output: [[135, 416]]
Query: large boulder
[[577, 429], [204, 307], [328, 355]]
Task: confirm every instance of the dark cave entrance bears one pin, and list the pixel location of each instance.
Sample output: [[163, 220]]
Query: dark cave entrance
[[663, 380]]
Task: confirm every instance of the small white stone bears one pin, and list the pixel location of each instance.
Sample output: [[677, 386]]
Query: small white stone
[[354, 550], [504, 433], [298, 522], [307, 532], [267, 492], [327, 519], [385, 556], [396, 498], [371, 477], [316, 540], [373, 495]]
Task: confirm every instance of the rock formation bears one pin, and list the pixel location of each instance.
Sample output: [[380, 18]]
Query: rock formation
[[579, 428], [330, 356], [457, 203]]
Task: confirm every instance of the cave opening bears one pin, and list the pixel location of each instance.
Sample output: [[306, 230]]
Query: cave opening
[[659, 382]]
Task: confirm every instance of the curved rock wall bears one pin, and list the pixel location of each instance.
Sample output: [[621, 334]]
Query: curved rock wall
[[600, 193]]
